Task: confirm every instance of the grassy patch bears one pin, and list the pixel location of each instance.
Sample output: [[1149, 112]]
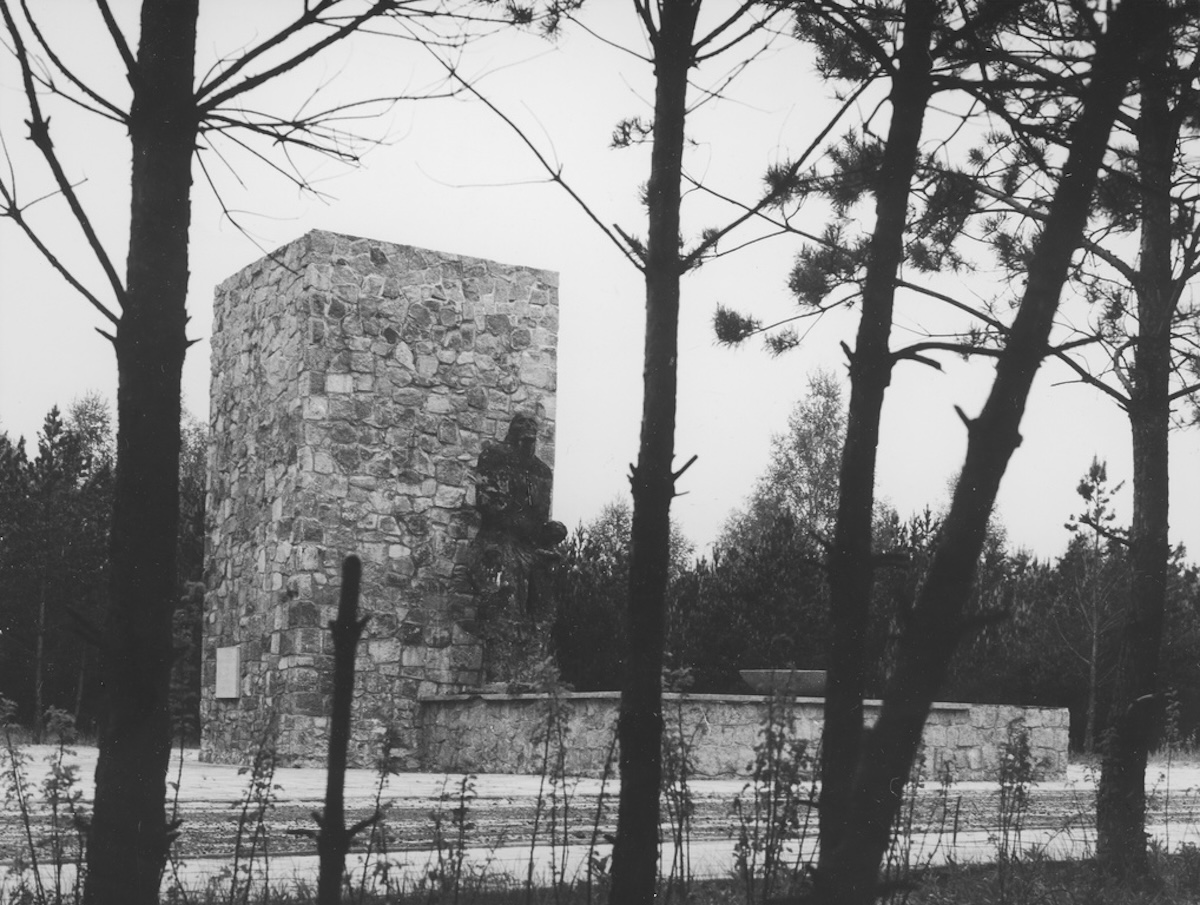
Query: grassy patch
[[1174, 880]]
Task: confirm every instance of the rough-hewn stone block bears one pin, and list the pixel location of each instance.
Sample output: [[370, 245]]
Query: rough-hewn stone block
[[343, 372], [461, 733]]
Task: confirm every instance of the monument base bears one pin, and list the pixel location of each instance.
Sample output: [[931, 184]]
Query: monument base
[[502, 733]]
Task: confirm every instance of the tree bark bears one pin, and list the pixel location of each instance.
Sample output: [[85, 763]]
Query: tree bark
[[79, 686], [128, 841], [1121, 796], [1089, 729], [333, 839], [640, 723], [39, 668], [849, 874], [851, 572]]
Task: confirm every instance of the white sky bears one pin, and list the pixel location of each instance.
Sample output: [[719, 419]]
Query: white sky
[[454, 178]]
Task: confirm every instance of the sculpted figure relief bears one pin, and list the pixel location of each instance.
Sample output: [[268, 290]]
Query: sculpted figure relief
[[514, 554]]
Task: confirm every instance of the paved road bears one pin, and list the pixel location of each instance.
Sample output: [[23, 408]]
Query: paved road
[[508, 816], [502, 810]]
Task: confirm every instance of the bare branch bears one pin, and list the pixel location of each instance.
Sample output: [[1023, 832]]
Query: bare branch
[[1184, 391], [310, 17], [555, 173], [643, 11], [713, 255], [283, 132], [769, 197], [967, 420], [47, 82], [753, 29], [215, 100], [301, 183], [318, 131], [131, 66], [717, 93], [815, 315], [636, 245], [15, 212], [113, 110], [782, 225], [225, 211], [729, 22], [1076, 343], [39, 133], [583, 26], [688, 464], [1092, 247], [913, 352], [1087, 377], [955, 303]]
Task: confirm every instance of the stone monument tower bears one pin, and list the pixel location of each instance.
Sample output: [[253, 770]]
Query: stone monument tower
[[355, 385]]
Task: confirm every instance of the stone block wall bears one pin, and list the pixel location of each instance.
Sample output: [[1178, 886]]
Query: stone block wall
[[354, 386], [499, 733]]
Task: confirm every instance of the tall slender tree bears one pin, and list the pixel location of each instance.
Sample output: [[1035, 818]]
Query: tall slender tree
[[1166, 265], [848, 873], [1089, 601], [51, 562], [168, 115], [640, 726], [850, 562], [1014, 85], [916, 49], [677, 48], [1139, 254]]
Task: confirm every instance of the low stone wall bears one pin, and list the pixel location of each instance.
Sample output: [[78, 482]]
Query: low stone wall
[[499, 733]]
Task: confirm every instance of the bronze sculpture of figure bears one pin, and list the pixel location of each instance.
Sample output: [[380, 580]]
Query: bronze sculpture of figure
[[514, 555]]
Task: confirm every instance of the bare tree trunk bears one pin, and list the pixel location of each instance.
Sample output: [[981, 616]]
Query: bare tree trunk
[[333, 839], [128, 841], [851, 572], [849, 874], [1089, 728], [39, 668], [1121, 796], [79, 686], [640, 724]]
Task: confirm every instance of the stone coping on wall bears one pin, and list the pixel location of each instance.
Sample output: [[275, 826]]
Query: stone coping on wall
[[498, 732], [870, 703]]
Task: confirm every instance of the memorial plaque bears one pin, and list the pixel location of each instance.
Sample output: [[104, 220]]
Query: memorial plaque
[[229, 672]]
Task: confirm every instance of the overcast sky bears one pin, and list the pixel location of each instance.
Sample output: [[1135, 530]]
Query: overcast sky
[[453, 177]]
